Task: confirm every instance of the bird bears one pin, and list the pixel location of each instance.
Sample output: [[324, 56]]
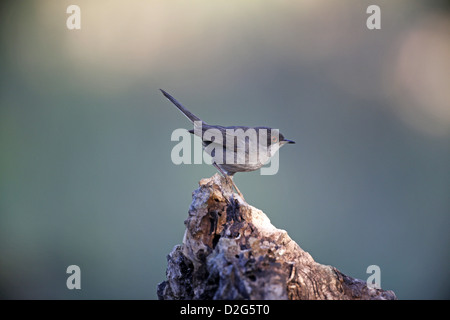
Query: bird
[[234, 148]]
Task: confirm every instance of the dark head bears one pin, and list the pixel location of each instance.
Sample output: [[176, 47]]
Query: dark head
[[282, 140], [274, 136]]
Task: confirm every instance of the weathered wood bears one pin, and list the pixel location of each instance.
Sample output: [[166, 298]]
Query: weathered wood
[[231, 250]]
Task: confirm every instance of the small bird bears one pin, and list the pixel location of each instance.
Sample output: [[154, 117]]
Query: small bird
[[234, 149]]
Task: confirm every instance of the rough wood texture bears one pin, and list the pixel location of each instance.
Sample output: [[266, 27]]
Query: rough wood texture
[[231, 250]]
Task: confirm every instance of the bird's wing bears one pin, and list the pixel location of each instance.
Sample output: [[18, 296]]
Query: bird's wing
[[231, 138]]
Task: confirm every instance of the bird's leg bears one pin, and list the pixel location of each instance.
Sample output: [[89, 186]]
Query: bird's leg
[[229, 179], [235, 187]]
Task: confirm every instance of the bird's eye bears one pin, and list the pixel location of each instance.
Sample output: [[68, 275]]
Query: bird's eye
[[274, 139]]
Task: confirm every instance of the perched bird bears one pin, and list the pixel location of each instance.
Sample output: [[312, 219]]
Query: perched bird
[[235, 148]]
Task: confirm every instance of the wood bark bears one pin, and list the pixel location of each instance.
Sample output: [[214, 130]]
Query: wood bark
[[231, 251]]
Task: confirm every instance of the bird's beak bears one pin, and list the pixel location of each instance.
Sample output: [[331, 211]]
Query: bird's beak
[[288, 141]]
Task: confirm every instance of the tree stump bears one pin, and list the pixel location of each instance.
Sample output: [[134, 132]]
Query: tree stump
[[231, 251]]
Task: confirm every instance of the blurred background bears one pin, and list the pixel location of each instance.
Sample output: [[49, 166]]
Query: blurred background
[[86, 176]]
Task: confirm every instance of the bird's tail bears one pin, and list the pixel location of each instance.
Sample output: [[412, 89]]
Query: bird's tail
[[192, 117]]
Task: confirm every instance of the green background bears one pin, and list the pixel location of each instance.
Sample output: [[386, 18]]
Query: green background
[[85, 171]]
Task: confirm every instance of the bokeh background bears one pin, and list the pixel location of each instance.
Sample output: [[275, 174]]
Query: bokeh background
[[85, 171]]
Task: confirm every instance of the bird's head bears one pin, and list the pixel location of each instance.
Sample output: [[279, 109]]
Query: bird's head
[[275, 137]]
